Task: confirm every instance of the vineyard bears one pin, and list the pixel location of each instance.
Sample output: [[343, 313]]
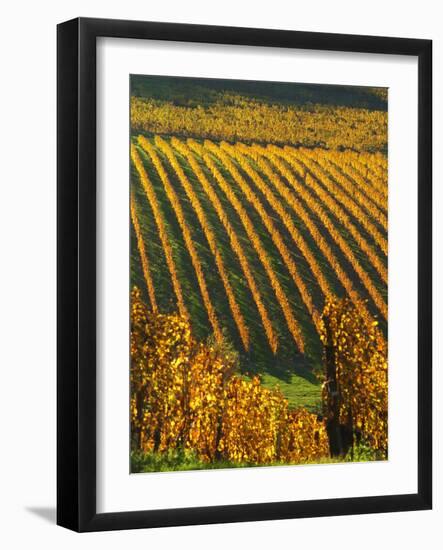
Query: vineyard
[[259, 273], [248, 242], [278, 113]]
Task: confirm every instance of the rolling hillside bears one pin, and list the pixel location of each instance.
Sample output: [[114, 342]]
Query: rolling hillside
[[247, 241]]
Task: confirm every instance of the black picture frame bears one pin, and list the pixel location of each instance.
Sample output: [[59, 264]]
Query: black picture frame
[[76, 281]]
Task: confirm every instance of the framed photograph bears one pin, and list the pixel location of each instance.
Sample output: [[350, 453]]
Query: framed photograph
[[244, 274]]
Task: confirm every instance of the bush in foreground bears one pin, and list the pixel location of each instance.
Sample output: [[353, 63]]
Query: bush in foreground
[[355, 390], [189, 404], [186, 395]]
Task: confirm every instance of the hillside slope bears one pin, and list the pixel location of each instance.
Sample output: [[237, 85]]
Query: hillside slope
[[247, 241]]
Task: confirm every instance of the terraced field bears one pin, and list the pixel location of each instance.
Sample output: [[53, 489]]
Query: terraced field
[[247, 241]]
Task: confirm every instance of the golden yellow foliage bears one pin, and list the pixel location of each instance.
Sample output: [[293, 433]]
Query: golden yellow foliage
[[244, 119], [316, 204], [356, 351], [157, 408], [336, 197], [306, 437], [187, 235], [161, 226], [176, 383], [267, 324], [252, 422], [234, 240], [185, 394], [210, 237], [291, 321], [347, 190], [360, 182], [142, 252], [272, 229], [295, 204], [294, 178]]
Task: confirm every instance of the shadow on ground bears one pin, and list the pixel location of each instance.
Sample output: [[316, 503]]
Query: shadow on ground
[[46, 513]]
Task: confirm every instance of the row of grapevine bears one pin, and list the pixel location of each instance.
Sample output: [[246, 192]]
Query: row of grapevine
[[234, 241], [375, 173], [353, 172], [321, 178], [291, 197], [355, 393], [292, 323], [336, 235], [253, 237], [337, 202], [360, 203], [187, 235], [289, 223], [164, 238], [142, 252], [316, 205], [290, 181], [291, 201], [342, 216], [210, 237], [241, 118]]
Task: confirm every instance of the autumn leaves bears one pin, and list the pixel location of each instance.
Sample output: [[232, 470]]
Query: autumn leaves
[[187, 395], [281, 185]]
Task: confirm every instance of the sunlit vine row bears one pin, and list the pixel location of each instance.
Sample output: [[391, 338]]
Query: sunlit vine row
[[142, 253], [350, 169], [234, 240], [380, 160], [314, 176], [258, 121], [378, 174], [352, 198], [292, 323], [210, 237], [164, 238], [187, 236], [375, 180], [378, 178], [292, 201], [337, 202], [299, 209], [335, 234], [273, 231], [342, 243]]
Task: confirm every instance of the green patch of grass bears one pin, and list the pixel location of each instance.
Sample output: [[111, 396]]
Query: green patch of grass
[[175, 460], [186, 460], [193, 92], [298, 390]]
